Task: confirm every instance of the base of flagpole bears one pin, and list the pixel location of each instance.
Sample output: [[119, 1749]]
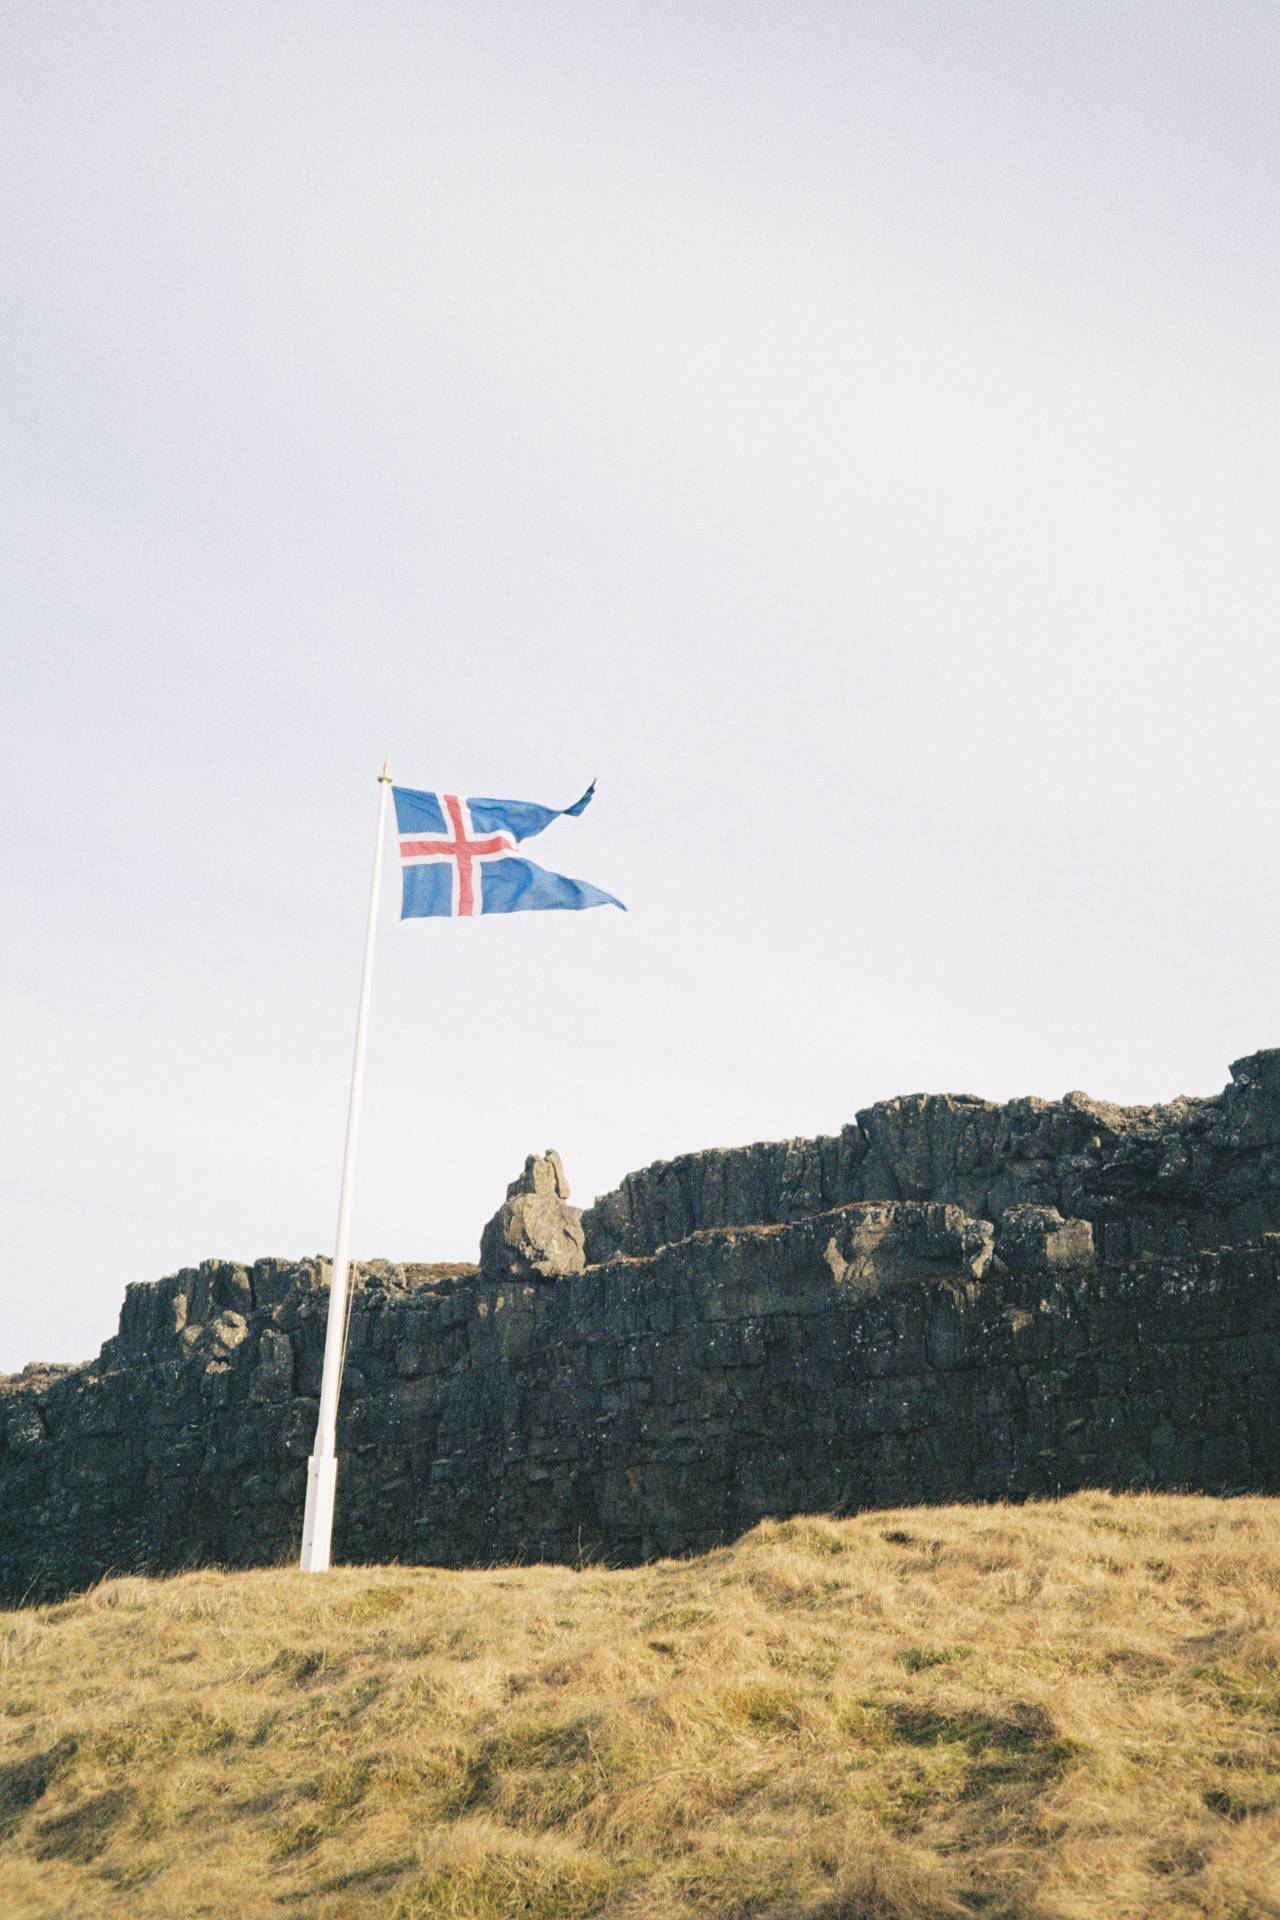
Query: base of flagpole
[[317, 1525]]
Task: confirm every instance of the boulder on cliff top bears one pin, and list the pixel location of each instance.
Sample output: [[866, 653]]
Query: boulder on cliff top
[[535, 1234]]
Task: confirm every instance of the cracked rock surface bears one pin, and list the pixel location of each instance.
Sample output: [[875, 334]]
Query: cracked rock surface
[[535, 1234]]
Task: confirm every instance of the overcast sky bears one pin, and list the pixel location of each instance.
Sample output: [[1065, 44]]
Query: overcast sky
[[847, 427]]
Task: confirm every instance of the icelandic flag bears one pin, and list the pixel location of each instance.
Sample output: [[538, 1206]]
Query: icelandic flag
[[459, 857]]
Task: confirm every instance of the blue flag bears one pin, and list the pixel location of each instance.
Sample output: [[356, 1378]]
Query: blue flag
[[459, 857]]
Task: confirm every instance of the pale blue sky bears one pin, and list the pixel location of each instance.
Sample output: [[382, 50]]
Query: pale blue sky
[[847, 429]]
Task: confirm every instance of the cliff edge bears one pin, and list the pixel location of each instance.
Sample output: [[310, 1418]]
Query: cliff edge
[[950, 1300]]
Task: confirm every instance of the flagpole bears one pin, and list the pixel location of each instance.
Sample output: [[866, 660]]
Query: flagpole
[[322, 1468]]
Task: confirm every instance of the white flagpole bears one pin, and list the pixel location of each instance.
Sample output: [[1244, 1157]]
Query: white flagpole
[[322, 1468]]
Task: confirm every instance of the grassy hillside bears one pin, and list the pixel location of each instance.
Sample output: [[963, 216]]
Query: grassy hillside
[[1058, 1712]]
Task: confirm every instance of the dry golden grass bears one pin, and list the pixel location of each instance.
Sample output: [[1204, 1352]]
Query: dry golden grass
[[1059, 1712]]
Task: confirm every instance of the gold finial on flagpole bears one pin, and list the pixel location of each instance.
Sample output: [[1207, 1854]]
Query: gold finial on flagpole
[[385, 775]]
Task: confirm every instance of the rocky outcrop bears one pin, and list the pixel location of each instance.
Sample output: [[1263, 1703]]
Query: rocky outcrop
[[535, 1234], [1109, 1315], [1197, 1172]]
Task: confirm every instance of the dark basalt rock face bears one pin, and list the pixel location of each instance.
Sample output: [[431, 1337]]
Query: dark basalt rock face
[[1195, 1172], [952, 1300]]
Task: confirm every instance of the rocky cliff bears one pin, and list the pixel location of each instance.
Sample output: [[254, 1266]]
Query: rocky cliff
[[1194, 1173], [952, 1299]]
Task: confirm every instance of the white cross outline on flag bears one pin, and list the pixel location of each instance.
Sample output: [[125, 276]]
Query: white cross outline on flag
[[464, 852]]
